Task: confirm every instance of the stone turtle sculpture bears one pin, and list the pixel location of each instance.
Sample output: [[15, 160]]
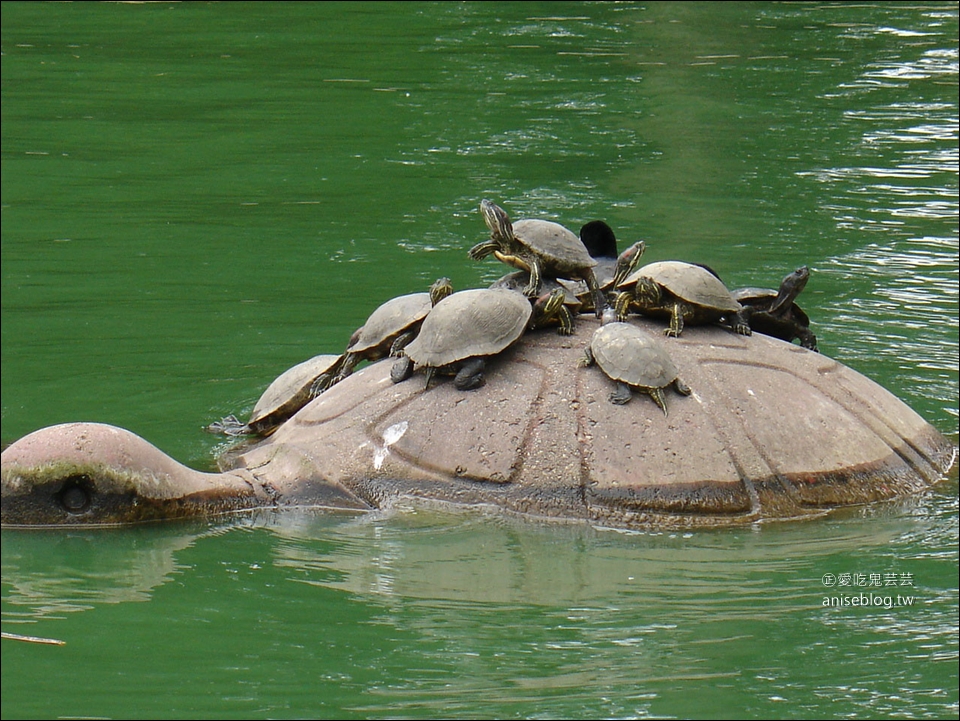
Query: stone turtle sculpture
[[539, 439]]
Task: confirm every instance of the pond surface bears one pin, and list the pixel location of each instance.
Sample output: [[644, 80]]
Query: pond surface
[[198, 196]]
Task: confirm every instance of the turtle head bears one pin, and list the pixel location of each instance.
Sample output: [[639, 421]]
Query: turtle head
[[647, 292], [548, 305], [627, 262], [790, 288], [497, 220], [441, 288]]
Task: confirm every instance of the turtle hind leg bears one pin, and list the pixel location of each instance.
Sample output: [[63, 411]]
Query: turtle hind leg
[[599, 299], [622, 395], [741, 323], [680, 387], [401, 370], [470, 375]]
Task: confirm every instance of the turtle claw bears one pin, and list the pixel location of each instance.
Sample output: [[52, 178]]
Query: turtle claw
[[229, 426]]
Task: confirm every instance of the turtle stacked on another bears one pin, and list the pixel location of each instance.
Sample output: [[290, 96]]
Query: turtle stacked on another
[[540, 247]]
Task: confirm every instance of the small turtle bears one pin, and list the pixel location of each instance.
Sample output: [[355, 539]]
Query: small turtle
[[682, 292], [611, 269], [469, 326], [540, 247], [388, 329], [635, 360], [563, 318], [775, 313], [290, 392]]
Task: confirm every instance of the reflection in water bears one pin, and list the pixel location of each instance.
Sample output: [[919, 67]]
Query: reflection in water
[[455, 608], [50, 573]]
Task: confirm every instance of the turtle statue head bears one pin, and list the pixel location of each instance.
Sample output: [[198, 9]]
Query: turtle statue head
[[92, 473]]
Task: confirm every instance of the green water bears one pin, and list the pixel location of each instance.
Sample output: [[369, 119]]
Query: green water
[[197, 196]]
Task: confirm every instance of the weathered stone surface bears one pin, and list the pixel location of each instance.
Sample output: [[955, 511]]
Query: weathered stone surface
[[771, 430]]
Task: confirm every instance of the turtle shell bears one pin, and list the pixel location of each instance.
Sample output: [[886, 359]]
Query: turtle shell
[[628, 354], [477, 322], [687, 281], [518, 279], [761, 299], [289, 392], [390, 320], [554, 244]]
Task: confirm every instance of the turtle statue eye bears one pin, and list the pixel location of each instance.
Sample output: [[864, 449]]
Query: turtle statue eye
[[74, 497]]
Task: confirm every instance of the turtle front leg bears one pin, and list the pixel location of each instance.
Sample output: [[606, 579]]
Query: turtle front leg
[[622, 305], [350, 361], [676, 321], [565, 318], [533, 286], [396, 349], [680, 387], [482, 250], [586, 360], [470, 375], [229, 426], [622, 395], [807, 339]]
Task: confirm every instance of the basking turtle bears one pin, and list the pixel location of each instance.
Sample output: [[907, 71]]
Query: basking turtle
[[467, 327], [776, 313], [563, 318], [290, 392], [611, 269], [540, 247], [682, 292], [635, 360], [389, 329]]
